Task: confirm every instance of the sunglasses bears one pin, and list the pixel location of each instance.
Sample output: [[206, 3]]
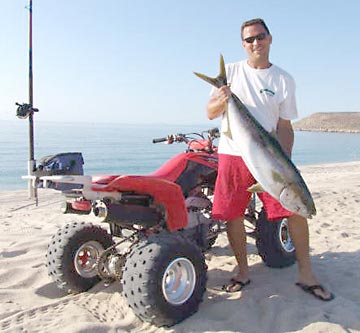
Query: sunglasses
[[258, 37]]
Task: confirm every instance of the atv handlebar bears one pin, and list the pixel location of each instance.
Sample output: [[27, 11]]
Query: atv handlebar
[[171, 138], [195, 141], [158, 140]]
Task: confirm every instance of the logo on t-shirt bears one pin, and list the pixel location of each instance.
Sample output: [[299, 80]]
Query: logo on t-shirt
[[267, 92]]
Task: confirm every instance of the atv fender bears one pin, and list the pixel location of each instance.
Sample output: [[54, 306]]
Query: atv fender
[[164, 192]]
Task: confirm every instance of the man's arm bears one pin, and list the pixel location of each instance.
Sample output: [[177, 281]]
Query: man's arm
[[285, 135]]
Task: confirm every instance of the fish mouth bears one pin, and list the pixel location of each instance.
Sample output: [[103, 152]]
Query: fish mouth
[[312, 213], [309, 213]]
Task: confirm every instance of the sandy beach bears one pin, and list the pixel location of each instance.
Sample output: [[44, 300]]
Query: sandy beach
[[31, 302]]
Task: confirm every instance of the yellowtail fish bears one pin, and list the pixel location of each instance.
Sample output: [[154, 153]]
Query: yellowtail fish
[[275, 173]]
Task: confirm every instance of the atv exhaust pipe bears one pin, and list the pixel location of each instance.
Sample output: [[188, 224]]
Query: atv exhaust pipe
[[129, 214], [100, 211]]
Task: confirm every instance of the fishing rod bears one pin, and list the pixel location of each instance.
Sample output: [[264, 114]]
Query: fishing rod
[[26, 110]]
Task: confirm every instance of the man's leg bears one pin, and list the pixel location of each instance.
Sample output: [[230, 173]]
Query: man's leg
[[230, 201], [237, 238], [299, 233]]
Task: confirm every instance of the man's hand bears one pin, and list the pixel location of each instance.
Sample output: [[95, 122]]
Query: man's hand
[[223, 94], [218, 103]]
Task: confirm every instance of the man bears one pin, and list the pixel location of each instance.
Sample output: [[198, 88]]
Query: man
[[269, 94]]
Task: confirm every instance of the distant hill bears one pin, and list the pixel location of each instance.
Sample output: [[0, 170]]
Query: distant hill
[[330, 122]]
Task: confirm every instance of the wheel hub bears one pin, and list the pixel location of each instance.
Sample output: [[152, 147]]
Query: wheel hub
[[179, 280], [86, 258], [284, 236]]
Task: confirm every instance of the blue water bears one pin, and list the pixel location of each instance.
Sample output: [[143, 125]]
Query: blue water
[[128, 149]]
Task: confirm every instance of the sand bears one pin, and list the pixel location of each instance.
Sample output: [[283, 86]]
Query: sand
[[31, 302]]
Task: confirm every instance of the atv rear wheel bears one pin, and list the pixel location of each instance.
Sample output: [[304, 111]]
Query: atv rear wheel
[[274, 243], [73, 253], [164, 279]]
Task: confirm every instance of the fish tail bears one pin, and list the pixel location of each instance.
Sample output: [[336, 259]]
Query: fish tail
[[218, 81]]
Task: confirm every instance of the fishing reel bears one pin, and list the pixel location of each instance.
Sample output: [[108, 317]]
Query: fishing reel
[[25, 110]]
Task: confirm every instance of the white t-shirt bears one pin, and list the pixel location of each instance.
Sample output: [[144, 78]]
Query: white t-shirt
[[268, 94]]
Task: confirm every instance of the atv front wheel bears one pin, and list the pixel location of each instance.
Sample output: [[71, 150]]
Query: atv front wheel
[[73, 253], [274, 243], [164, 279]]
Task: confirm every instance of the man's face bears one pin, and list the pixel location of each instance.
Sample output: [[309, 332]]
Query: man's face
[[257, 48]]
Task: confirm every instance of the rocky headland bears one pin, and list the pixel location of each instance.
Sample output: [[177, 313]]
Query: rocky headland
[[348, 122]]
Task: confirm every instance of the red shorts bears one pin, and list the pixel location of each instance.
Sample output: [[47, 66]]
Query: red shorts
[[231, 196]]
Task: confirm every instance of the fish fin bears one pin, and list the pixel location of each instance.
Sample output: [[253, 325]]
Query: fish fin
[[227, 129], [218, 81], [277, 177], [256, 188], [273, 134]]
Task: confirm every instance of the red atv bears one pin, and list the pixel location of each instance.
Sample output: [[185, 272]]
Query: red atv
[[159, 227]]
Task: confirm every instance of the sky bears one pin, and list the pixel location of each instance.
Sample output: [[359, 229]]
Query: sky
[[132, 61]]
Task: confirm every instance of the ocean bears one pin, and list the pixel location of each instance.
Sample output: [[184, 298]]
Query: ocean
[[128, 149]]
